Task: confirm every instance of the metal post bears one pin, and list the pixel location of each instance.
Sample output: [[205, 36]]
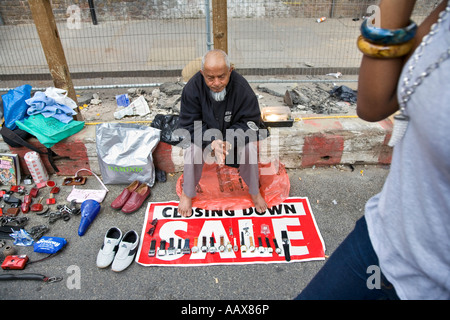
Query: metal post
[[333, 4], [208, 26], [92, 9]]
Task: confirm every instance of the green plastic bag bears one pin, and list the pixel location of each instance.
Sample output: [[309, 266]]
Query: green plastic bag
[[49, 131]]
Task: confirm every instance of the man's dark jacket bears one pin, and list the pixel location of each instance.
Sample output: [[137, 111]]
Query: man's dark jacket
[[240, 110]]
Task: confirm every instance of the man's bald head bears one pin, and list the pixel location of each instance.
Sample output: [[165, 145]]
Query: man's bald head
[[215, 57], [216, 70]]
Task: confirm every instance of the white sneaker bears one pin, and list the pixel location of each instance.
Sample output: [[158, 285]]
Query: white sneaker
[[127, 251], [109, 248]]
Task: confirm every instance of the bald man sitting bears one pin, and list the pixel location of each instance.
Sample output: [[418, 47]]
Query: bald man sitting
[[221, 112]]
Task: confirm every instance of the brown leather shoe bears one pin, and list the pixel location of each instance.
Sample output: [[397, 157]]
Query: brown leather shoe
[[136, 199], [124, 195]]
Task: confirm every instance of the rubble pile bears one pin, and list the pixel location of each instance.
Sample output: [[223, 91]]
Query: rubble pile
[[317, 98], [309, 98]]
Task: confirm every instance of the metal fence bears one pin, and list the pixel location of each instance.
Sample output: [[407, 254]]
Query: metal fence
[[160, 37]]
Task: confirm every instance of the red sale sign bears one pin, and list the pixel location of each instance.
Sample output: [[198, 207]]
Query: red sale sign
[[286, 232]]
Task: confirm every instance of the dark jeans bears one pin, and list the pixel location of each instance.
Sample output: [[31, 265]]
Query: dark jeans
[[345, 275]]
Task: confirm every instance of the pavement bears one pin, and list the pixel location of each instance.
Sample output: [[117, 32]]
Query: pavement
[[336, 192], [337, 196]]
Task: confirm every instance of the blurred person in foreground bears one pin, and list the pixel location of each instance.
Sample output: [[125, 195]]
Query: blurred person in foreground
[[400, 247]]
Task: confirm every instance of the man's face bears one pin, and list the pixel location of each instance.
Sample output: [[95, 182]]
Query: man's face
[[216, 74]]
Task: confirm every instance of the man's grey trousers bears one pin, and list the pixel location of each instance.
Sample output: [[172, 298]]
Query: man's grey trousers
[[195, 157]]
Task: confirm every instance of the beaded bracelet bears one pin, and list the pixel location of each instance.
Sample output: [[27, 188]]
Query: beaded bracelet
[[381, 51], [388, 36]]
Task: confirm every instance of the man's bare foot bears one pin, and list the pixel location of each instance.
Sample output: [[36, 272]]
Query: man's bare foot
[[185, 205], [259, 202]]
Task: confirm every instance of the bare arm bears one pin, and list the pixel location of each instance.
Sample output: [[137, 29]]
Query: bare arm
[[377, 86]]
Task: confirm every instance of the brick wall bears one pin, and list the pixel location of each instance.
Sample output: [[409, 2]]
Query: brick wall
[[17, 11]]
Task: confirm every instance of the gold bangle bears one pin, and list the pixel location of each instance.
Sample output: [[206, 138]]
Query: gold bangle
[[380, 51]]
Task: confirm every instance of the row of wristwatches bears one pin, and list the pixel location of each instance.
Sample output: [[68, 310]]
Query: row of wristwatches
[[210, 247]]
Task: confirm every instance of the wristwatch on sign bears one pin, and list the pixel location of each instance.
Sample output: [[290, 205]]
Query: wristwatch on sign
[[260, 248], [162, 248], [186, 249], [243, 246], [277, 249], [171, 249], [222, 244], [195, 247], [204, 247], [269, 247], [285, 239], [151, 252], [212, 249], [235, 246], [179, 246], [252, 246]]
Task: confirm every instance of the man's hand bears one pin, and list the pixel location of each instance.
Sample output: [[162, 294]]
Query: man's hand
[[220, 149]]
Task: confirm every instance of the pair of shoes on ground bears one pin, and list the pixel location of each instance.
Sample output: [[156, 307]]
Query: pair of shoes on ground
[[117, 249], [132, 197]]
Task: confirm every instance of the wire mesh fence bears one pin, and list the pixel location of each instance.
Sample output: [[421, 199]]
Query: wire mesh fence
[[160, 37]]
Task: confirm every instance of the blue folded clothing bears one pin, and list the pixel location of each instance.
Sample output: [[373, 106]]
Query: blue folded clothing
[[48, 107]]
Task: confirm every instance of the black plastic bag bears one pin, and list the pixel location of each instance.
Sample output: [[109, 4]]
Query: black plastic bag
[[167, 124], [344, 93]]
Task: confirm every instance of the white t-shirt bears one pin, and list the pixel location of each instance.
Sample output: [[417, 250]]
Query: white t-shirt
[[409, 221]]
